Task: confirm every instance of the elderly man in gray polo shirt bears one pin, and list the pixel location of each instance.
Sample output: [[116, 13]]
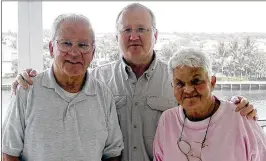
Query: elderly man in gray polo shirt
[[67, 114], [139, 81]]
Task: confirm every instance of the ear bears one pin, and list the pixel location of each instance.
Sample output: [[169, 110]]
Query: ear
[[93, 52], [213, 82], [156, 35], [51, 49], [116, 37]]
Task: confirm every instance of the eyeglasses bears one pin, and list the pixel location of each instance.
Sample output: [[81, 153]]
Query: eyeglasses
[[140, 31], [67, 46], [185, 147]]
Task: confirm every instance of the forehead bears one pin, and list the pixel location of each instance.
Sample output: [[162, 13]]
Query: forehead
[[186, 72], [135, 17], [77, 29]]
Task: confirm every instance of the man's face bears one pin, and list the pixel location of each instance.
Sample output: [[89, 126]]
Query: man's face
[[192, 87], [136, 36], [72, 49]]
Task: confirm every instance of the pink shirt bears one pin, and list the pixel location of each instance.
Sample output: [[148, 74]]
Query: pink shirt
[[230, 137]]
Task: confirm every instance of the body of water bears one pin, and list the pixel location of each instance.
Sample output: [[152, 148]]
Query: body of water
[[255, 97]]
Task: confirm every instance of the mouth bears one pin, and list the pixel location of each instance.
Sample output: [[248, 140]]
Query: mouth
[[73, 62], [189, 97], [135, 45]]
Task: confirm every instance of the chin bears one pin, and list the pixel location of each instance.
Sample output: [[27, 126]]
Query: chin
[[74, 73], [190, 103]]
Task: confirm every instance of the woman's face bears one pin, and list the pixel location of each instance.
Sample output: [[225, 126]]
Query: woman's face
[[192, 87]]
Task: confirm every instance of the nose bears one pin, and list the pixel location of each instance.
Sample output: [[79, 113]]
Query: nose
[[188, 89], [74, 51], [134, 35]]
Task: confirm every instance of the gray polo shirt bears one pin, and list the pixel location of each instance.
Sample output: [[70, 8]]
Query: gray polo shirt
[[43, 124], [139, 102]]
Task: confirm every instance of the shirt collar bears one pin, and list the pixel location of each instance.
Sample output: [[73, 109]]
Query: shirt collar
[[49, 81], [148, 73]]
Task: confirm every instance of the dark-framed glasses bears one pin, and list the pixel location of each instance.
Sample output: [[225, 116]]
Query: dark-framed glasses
[[67, 46], [140, 31]]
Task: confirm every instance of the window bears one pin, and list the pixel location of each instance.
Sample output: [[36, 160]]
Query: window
[[9, 39], [9, 49]]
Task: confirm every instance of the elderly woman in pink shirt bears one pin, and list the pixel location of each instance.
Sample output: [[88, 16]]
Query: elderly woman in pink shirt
[[203, 127]]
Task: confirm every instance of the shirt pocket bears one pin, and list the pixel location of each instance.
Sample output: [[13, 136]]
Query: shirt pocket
[[154, 107], [160, 103]]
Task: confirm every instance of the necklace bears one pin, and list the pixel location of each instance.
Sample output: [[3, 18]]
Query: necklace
[[186, 153]]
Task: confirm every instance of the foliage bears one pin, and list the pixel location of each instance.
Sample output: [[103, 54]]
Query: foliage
[[235, 56]]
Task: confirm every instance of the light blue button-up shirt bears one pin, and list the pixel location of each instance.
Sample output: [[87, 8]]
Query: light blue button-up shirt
[[140, 102]]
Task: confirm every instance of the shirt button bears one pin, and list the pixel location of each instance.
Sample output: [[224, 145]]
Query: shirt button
[[72, 112], [135, 126], [136, 103], [135, 148]]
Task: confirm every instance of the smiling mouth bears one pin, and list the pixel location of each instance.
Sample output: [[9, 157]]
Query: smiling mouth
[[73, 62]]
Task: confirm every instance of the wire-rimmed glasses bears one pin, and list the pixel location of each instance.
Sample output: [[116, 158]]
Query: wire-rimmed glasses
[[185, 148], [67, 46], [140, 31]]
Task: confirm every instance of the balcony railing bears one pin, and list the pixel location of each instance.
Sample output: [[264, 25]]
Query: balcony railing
[[262, 123]]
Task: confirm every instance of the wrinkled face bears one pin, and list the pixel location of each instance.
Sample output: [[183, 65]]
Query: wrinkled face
[[72, 38], [136, 36], [192, 87]]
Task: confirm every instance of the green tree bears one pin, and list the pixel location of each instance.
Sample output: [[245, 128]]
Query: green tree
[[168, 49]]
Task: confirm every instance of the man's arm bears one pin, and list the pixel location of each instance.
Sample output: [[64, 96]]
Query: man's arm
[[114, 142], [24, 79], [14, 126], [7, 157]]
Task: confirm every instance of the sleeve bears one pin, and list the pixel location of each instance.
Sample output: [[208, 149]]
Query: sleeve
[[14, 126], [158, 140], [254, 141], [114, 143], [258, 152]]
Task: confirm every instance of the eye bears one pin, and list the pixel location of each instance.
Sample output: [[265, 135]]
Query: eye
[[195, 81], [179, 84], [127, 30], [141, 29], [83, 45], [66, 43]]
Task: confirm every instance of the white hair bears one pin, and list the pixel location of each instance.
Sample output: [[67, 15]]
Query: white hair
[[71, 17], [192, 58]]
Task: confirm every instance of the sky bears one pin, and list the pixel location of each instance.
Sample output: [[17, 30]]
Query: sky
[[179, 16]]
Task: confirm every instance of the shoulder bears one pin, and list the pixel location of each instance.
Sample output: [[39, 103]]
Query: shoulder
[[105, 67], [107, 71], [246, 127], [97, 84], [169, 114], [36, 82], [162, 64]]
